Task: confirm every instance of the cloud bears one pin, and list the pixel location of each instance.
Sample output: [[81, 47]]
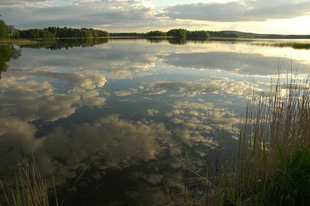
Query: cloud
[[23, 2], [240, 63], [95, 14], [152, 112], [118, 60], [112, 142], [187, 88], [225, 86], [142, 16], [76, 80], [32, 100], [17, 135], [17, 143], [238, 11], [123, 93]]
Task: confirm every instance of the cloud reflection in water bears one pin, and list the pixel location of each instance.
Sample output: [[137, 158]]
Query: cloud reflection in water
[[131, 106]]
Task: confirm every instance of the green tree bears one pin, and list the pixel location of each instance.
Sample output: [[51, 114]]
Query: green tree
[[7, 52], [178, 33], [4, 34], [156, 33], [56, 32], [199, 34], [47, 35], [12, 31]]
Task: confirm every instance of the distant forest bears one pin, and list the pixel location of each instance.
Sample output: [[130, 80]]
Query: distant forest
[[56, 32], [10, 32], [180, 33], [265, 36]]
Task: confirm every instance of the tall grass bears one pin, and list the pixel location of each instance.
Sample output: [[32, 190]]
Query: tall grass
[[30, 187], [273, 165]]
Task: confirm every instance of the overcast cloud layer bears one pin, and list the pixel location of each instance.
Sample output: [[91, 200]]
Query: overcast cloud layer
[[262, 16], [237, 11]]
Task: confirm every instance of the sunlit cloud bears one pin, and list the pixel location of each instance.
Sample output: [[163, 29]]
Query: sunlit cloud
[[143, 16], [34, 100], [239, 11], [240, 63]]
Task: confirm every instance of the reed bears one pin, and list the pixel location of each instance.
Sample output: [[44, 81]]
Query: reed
[[273, 164], [30, 187]]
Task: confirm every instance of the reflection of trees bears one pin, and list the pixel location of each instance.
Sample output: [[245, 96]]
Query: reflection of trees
[[155, 40], [67, 43], [199, 40], [7, 52], [179, 41], [183, 41]]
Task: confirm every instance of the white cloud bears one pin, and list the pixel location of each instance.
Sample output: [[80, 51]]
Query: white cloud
[[238, 11], [240, 63], [17, 143], [112, 141], [141, 16], [80, 14], [34, 100]]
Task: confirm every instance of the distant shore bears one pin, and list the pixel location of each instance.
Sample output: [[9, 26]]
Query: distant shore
[[20, 41]]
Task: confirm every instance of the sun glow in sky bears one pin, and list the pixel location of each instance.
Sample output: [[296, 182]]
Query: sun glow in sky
[[259, 16]]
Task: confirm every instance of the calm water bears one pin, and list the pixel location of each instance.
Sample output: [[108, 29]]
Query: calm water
[[141, 111]]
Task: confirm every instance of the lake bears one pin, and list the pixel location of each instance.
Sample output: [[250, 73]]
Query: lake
[[129, 118]]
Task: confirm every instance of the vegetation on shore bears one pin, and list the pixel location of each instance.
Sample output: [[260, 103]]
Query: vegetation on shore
[[30, 187], [179, 33], [295, 45], [266, 36], [56, 32], [273, 160]]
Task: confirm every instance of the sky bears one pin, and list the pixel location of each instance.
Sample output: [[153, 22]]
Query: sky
[[258, 16]]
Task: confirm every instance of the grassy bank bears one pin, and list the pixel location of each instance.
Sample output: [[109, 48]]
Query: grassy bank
[[19, 41], [30, 187], [273, 163]]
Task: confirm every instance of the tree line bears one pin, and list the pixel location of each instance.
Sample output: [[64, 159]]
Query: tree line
[[8, 31], [179, 33], [57, 32]]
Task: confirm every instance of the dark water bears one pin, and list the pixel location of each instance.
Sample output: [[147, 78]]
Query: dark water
[[139, 115]]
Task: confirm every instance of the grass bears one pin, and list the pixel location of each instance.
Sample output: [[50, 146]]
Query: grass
[[19, 41], [273, 164], [30, 187]]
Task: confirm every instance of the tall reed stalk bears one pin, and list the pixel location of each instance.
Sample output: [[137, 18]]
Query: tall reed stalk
[[275, 133], [30, 187]]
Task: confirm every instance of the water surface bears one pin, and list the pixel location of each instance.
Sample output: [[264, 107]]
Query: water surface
[[145, 113]]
